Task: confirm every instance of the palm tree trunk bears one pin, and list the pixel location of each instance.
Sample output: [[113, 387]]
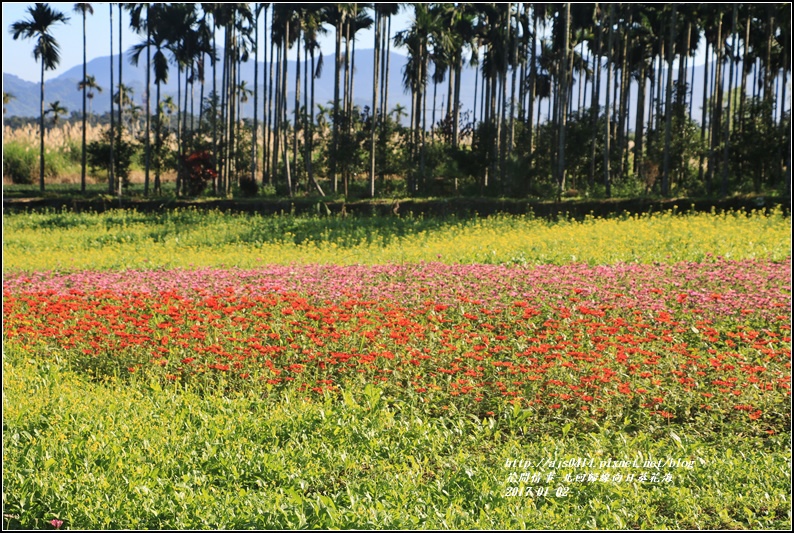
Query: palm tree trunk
[[201, 95], [183, 144], [296, 112], [658, 114], [192, 102], [382, 45], [121, 96], [501, 134], [41, 131], [228, 120], [681, 82], [726, 150], [668, 106], [743, 91], [493, 115], [485, 100], [511, 137], [148, 108], [232, 113], [214, 109], [307, 126], [378, 24], [595, 104], [639, 127], [277, 113], [582, 81], [691, 83], [704, 116], [522, 77], [485, 95], [564, 103], [423, 115], [347, 73], [433, 115], [179, 186], [270, 119], [157, 143], [236, 106], [769, 75], [337, 76], [456, 109], [386, 76], [450, 97], [310, 149], [284, 122], [716, 120], [352, 75], [625, 81], [768, 70], [347, 104], [111, 188], [223, 98], [533, 80], [82, 168], [476, 85], [553, 115], [607, 183], [256, 94]]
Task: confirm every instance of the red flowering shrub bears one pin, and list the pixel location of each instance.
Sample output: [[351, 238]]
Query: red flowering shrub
[[198, 172]]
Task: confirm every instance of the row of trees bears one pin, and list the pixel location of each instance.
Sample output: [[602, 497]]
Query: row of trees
[[526, 54]]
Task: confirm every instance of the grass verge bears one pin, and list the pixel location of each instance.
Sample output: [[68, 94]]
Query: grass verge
[[139, 455]]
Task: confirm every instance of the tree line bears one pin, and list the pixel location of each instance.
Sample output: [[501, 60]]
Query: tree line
[[580, 61]]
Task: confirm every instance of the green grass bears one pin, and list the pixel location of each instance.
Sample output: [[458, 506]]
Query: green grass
[[21, 164], [138, 454], [113, 456]]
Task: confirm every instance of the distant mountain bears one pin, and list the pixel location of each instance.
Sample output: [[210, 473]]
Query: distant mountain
[[64, 87]]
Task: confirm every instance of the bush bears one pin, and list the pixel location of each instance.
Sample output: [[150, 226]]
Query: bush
[[198, 172], [20, 163], [248, 187], [98, 154]]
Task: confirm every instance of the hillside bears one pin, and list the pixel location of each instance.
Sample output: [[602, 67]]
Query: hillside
[[64, 86]]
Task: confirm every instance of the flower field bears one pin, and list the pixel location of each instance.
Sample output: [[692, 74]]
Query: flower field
[[436, 373], [566, 343]]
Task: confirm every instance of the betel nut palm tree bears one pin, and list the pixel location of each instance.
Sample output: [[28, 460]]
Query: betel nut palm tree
[[84, 9], [38, 27]]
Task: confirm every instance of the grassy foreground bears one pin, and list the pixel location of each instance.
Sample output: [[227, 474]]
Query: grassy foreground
[[654, 393], [116, 455]]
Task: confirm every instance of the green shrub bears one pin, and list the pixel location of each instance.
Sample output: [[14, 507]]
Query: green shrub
[[248, 187], [19, 163], [99, 157]]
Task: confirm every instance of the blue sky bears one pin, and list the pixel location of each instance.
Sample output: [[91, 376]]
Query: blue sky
[[18, 55]]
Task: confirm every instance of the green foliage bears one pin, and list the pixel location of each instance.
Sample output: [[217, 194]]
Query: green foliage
[[758, 146], [685, 150], [351, 153], [249, 187], [20, 163], [269, 460], [391, 155], [98, 154]]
